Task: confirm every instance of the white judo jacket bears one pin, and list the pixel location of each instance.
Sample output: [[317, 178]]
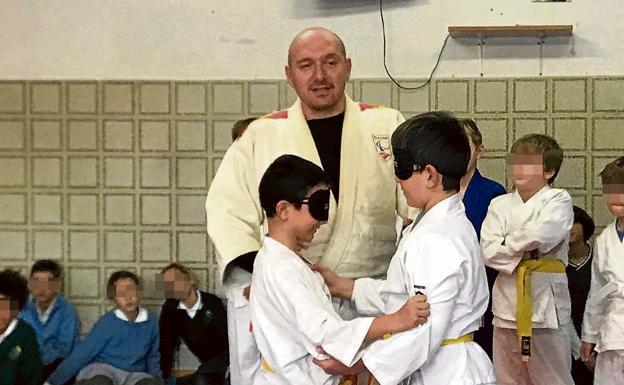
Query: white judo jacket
[[440, 257], [292, 314], [603, 321], [510, 231], [359, 237]]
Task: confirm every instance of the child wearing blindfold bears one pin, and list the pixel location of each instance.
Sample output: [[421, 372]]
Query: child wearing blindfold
[[293, 319], [438, 256]]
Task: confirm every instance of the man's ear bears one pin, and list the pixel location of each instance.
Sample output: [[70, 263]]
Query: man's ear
[[288, 75], [548, 174], [282, 209], [479, 150]]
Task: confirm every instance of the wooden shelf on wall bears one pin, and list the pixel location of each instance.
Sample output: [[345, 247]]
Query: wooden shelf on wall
[[539, 31]]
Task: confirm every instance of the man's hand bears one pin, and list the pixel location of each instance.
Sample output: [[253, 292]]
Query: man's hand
[[334, 367], [414, 312], [338, 286], [247, 292], [588, 355]]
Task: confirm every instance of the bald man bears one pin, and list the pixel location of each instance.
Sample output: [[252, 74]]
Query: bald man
[[350, 141]]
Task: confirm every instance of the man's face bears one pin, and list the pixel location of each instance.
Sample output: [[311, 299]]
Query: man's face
[[318, 71], [43, 286], [127, 295], [176, 285]]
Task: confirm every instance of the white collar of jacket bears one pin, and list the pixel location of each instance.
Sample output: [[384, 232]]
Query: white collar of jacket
[[193, 309], [141, 317], [8, 330]]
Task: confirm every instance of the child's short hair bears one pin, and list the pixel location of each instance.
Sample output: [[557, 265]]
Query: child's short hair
[[436, 139], [544, 145], [179, 267], [613, 173], [111, 290], [14, 286], [240, 126], [289, 178], [471, 129], [587, 223], [47, 266]]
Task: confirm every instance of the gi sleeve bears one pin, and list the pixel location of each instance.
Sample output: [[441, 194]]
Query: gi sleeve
[[233, 212], [497, 253], [367, 298], [548, 230], [598, 292]]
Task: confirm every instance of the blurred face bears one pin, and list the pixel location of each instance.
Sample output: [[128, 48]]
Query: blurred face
[[127, 295], [304, 223], [43, 287], [614, 198], [526, 172], [6, 313], [318, 71], [176, 285], [576, 233]]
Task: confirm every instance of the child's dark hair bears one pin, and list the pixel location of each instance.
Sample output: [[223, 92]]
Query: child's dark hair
[[544, 145], [289, 178], [613, 173], [14, 286], [587, 223], [436, 139], [240, 126], [116, 276], [47, 266]]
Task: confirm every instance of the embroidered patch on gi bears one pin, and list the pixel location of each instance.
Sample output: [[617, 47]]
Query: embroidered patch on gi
[[382, 145], [422, 290]]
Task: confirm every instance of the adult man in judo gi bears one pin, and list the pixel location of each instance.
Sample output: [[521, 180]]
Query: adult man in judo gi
[[350, 141]]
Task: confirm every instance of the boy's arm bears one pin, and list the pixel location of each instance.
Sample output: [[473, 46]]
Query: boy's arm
[[83, 354], [416, 346], [594, 303], [546, 231], [496, 252], [153, 355], [61, 346]]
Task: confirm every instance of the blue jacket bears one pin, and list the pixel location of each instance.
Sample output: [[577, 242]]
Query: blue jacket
[[477, 198], [128, 346], [58, 336]]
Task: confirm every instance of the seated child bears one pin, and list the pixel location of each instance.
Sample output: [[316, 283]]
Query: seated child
[[291, 309], [439, 255], [20, 360], [603, 322], [54, 319], [122, 347], [525, 237], [197, 318]]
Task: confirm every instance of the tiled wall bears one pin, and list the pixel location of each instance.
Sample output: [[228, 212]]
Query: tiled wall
[[110, 175]]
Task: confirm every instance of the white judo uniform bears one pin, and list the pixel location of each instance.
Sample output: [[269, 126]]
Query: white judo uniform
[[439, 256], [292, 314], [514, 230], [359, 238], [603, 321]]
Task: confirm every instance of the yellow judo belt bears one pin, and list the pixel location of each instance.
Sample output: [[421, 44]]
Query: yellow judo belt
[[451, 341], [524, 309]]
